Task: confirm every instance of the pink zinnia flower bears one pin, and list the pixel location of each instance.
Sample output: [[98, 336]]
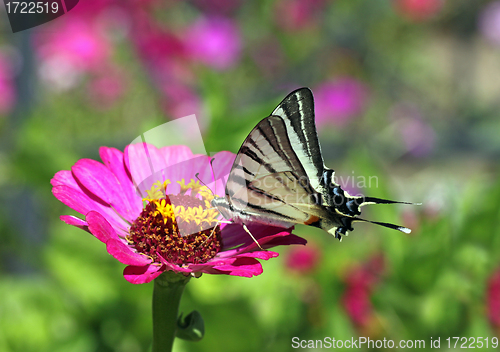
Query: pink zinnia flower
[[214, 42], [340, 100], [147, 206]]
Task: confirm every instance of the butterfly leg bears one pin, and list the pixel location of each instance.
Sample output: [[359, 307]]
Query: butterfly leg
[[253, 238], [213, 230]]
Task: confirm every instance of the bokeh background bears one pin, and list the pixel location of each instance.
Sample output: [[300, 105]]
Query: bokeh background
[[406, 90]]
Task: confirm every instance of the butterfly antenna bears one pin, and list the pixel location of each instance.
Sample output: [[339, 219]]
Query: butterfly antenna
[[385, 224], [213, 175], [197, 175]]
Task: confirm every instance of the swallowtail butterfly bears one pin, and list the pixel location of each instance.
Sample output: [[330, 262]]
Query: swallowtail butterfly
[[278, 177]]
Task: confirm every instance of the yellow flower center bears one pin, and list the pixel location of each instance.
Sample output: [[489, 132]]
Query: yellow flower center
[[180, 228]]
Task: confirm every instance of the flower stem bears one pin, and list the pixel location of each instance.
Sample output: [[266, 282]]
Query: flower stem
[[167, 293]]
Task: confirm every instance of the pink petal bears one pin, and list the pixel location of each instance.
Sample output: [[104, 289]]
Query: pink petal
[[176, 153], [246, 267], [240, 265], [100, 227], [268, 237], [186, 170], [101, 182], [104, 232], [64, 178], [124, 254], [233, 234], [74, 199], [145, 164], [175, 268], [77, 200], [278, 240], [73, 220], [142, 274], [222, 164], [113, 159], [264, 255]]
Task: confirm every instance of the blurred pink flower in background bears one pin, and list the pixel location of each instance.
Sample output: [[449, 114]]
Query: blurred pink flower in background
[[71, 49], [358, 305], [417, 135], [180, 101], [493, 299], [303, 260], [360, 281], [340, 100], [78, 43], [107, 87], [7, 88], [157, 47], [214, 41], [298, 14], [418, 10], [489, 22]]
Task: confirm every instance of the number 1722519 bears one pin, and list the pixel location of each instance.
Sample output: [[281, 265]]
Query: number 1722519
[[472, 342], [32, 7]]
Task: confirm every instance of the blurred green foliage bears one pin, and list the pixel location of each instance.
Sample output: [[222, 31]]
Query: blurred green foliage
[[61, 291]]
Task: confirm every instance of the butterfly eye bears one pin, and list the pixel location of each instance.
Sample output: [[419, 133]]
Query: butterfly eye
[[338, 195], [338, 191], [352, 205]]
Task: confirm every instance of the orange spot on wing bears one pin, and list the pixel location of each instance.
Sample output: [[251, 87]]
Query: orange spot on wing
[[311, 220]]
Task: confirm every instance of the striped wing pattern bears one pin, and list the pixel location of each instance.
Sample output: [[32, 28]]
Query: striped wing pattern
[[279, 177], [297, 111], [267, 177]]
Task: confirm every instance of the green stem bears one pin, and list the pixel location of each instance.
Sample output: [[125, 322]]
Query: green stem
[[167, 293]]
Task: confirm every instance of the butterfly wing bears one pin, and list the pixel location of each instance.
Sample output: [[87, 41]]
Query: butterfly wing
[[260, 180], [297, 112], [275, 199], [279, 177]]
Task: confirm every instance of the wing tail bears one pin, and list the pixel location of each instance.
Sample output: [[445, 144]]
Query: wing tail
[[386, 224]]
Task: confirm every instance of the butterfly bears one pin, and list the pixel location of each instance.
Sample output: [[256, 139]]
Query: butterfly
[[279, 178]]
